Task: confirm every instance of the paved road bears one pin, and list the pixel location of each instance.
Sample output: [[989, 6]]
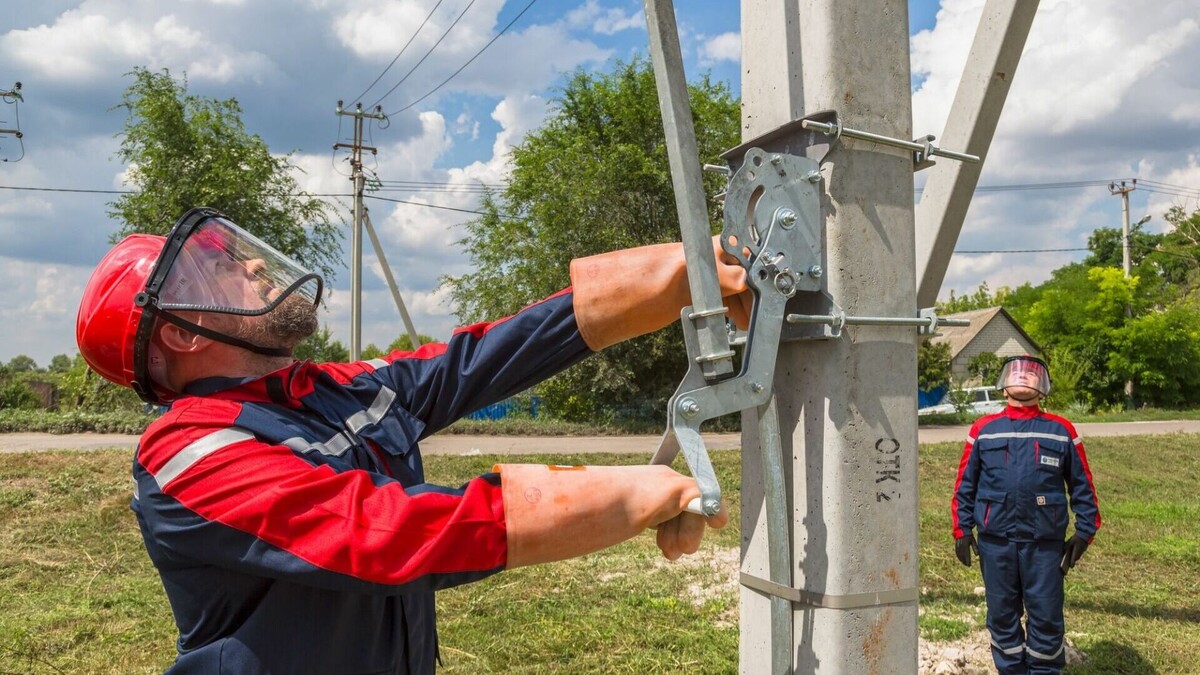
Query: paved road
[[452, 444]]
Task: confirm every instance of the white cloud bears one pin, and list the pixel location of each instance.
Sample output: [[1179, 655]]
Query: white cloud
[[723, 47], [1101, 92], [380, 30], [1179, 186], [39, 303], [605, 21], [83, 45]]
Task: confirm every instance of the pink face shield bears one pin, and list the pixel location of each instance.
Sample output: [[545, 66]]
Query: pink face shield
[[1025, 371]]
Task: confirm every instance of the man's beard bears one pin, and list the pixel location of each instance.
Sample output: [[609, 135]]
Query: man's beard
[[283, 327]]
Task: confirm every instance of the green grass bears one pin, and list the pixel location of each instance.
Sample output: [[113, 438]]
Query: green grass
[[78, 594]]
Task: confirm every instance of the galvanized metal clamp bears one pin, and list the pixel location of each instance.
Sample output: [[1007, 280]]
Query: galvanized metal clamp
[[773, 227]]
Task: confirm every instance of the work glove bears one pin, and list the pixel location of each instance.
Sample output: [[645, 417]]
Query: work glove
[[555, 512], [623, 294], [963, 547], [1072, 551]]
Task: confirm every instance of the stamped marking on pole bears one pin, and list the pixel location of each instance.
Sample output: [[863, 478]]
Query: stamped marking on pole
[[887, 469]]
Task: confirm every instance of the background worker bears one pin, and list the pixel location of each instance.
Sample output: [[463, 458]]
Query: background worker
[[284, 503], [1017, 469]]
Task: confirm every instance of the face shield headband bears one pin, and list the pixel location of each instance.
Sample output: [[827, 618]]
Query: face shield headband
[[209, 264], [1025, 371]]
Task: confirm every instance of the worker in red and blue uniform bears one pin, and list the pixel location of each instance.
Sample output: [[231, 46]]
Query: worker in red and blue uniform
[[285, 504], [1020, 471]]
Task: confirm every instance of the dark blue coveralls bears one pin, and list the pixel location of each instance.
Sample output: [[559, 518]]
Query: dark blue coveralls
[[1017, 469]]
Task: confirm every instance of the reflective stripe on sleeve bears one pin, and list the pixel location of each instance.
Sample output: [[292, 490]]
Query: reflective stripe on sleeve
[[335, 446], [198, 450], [379, 407]]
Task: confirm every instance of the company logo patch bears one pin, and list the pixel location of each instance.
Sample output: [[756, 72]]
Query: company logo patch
[[1048, 460], [1041, 500]]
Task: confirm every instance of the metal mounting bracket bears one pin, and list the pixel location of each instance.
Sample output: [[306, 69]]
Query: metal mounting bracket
[[926, 323], [773, 226], [923, 149]]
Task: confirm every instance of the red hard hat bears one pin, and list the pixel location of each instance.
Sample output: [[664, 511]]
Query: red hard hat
[[107, 323]]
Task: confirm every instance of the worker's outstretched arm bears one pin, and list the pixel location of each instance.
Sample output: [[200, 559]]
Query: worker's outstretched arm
[[554, 513], [623, 294]]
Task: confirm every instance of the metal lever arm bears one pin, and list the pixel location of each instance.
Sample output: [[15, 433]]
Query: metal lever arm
[[709, 316], [772, 226]]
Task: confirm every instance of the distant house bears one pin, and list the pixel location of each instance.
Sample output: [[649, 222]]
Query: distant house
[[991, 330]]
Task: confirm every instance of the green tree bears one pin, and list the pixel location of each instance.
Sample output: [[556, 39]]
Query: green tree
[[22, 364], [985, 366], [933, 365], [593, 178], [1177, 255], [185, 151], [404, 342], [1080, 311], [60, 363], [320, 347], [1160, 351], [1107, 251], [982, 298]]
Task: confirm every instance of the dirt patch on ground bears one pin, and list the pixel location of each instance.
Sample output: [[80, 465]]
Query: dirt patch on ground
[[713, 574]]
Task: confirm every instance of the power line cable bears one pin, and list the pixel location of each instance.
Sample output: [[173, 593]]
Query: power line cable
[[1170, 186], [1027, 250], [469, 61], [431, 50], [401, 53], [503, 216]]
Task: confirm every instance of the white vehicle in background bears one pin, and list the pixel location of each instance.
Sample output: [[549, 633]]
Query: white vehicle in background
[[974, 400]]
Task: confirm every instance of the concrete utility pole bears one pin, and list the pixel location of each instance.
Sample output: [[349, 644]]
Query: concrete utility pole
[[846, 405], [13, 96], [359, 181], [1123, 189]]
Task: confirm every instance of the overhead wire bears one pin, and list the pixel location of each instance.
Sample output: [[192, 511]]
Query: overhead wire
[[503, 216], [469, 61], [398, 55], [431, 50], [482, 188]]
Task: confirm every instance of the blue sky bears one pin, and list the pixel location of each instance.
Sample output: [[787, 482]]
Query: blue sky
[[1101, 93]]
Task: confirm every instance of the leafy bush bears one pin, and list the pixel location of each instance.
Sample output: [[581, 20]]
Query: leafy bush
[[82, 390], [16, 395], [74, 422]]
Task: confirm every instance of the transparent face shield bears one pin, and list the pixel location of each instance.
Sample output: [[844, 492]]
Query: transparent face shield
[[222, 268], [209, 265], [1025, 371]]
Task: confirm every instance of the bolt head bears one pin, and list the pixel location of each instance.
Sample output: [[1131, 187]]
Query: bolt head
[[712, 506], [785, 283], [813, 177], [815, 271], [786, 217], [756, 387], [689, 407]]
